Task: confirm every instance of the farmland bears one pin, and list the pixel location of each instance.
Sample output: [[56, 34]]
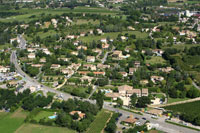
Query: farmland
[[10, 122], [33, 128], [99, 123], [189, 108]]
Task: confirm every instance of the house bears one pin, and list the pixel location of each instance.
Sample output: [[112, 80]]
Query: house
[[117, 53], [158, 52], [31, 50], [145, 92], [133, 91], [71, 37], [99, 73], [90, 59], [82, 47], [83, 72], [97, 50], [99, 31], [4, 69], [166, 70], [67, 71], [86, 78], [130, 28], [156, 112], [43, 60], [54, 22], [90, 66], [124, 74], [137, 64], [123, 38], [55, 66], [132, 70], [12, 83], [32, 89], [124, 88], [37, 65], [82, 34], [63, 59], [130, 120], [74, 53], [31, 56], [114, 96], [102, 66], [81, 115], [154, 79], [103, 40], [14, 39], [46, 51], [105, 46], [76, 43], [144, 82]]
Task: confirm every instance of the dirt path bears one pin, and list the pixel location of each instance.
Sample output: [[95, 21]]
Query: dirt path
[[180, 102], [107, 121], [65, 80]]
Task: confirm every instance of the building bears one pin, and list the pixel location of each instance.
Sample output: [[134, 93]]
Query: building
[[31, 56], [55, 66], [155, 112], [129, 93], [145, 92], [158, 52], [102, 66], [117, 53], [155, 79], [4, 69], [46, 51], [130, 120], [81, 115], [81, 47], [124, 74], [137, 64], [43, 60], [90, 59], [99, 73], [90, 66], [114, 96], [37, 65], [124, 88], [132, 70]]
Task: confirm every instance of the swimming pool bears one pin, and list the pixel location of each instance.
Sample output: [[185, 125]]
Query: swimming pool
[[52, 117]]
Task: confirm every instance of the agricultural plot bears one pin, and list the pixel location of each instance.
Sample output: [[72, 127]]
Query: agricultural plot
[[188, 108], [33, 128], [10, 122], [99, 123], [156, 60]]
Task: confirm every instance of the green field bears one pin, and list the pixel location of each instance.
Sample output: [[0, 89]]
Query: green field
[[156, 60], [37, 12], [113, 35], [98, 124], [10, 122], [188, 108], [33, 128], [172, 100], [43, 114], [84, 21]]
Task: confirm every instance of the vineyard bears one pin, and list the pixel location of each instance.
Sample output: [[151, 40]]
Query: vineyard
[[188, 108]]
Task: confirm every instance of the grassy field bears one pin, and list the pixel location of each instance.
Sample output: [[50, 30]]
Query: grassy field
[[10, 122], [156, 60], [33, 128], [37, 12], [192, 107], [43, 114], [172, 100], [181, 46], [98, 124], [112, 35]]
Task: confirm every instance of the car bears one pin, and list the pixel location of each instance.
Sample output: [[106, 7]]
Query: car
[[137, 118], [144, 118], [120, 114], [123, 128]]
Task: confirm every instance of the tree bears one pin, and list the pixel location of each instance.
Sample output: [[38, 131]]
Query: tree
[[133, 99], [99, 99], [75, 116], [63, 120], [119, 102], [143, 101]]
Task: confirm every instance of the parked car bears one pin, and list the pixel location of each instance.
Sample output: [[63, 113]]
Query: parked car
[[144, 118]]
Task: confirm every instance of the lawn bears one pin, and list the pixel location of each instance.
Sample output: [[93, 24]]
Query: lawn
[[99, 123], [156, 60], [80, 91], [33, 128], [10, 122], [188, 108], [172, 100], [43, 114], [112, 35]]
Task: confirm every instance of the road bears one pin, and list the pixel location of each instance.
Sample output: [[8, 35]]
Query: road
[[195, 85], [94, 90], [22, 42]]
